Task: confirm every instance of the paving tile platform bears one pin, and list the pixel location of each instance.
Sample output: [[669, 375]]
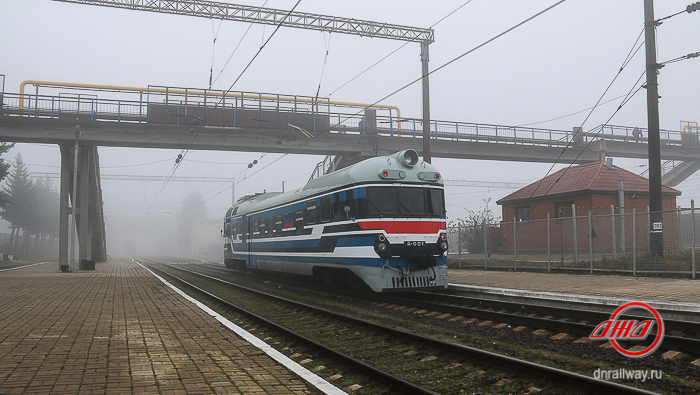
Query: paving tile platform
[[119, 330], [611, 286]]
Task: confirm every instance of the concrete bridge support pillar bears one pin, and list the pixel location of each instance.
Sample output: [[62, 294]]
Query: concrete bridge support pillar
[[81, 211]]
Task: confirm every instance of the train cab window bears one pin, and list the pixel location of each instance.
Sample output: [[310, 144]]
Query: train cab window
[[325, 208], [411, 201], [436, 202], [382, 201], [311, 212]]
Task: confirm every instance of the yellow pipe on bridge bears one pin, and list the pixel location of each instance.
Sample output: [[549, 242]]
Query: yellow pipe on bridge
[[195, 92]]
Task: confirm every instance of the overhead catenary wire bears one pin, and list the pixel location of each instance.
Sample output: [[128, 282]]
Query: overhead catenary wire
[[680, 58], [237, 46], [191, 140], [396, 50], [437, 69], [503, 33], [625, 63], [213, 49], [323, 68]]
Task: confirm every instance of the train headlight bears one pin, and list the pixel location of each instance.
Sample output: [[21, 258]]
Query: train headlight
[[443, 246], [381, 247]]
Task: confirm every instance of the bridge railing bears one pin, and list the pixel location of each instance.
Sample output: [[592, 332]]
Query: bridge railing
[[276, 112]]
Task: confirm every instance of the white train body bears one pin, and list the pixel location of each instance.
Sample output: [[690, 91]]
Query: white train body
[[381, 221]]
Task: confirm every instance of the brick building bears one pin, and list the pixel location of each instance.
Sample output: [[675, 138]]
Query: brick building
[[592, 187]]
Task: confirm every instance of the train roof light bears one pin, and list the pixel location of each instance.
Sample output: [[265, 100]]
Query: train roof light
[[390, 174], [432, 177]]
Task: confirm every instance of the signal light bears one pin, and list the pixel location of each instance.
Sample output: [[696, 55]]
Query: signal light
[[693, 7]]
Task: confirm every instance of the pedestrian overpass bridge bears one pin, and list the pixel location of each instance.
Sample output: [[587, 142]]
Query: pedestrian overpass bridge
[[81, 117]]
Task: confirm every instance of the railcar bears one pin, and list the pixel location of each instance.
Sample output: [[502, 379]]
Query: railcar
[[380, 222]]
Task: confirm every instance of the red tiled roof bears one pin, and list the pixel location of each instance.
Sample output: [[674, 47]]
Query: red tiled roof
[[589, 177]]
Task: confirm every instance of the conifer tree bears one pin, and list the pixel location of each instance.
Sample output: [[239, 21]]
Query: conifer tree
[[18, 210], [4, 168]]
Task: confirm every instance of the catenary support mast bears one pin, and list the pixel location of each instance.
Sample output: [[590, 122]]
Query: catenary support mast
[[656, 238]]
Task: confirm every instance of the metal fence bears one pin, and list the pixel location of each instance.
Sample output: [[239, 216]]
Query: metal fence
[[589, 243]]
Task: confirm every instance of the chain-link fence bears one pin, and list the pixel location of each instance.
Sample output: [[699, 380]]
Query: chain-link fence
[[616, 242]]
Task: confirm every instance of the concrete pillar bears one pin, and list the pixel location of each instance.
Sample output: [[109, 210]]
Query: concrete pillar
[[64, 203]]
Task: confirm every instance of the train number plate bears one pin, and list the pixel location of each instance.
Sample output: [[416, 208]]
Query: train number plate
[[414, 243]]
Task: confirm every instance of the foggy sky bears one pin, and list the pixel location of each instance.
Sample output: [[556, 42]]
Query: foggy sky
[[558, 64]]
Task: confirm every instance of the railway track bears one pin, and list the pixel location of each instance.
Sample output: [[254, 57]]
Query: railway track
[[387, 346], [573, 318], [680, 335]]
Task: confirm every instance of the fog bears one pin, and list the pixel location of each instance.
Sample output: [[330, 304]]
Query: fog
[[554, 66]]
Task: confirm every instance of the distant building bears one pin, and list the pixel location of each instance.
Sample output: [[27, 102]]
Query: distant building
[[593, 187]]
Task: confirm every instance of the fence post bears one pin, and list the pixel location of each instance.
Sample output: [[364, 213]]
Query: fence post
[[486, 244], [648, 230], [549, 245], [692, 216], [634, 241], [680, 228], [612, 228], [515, 246], [590, 240], [459, 243], [573, 212]]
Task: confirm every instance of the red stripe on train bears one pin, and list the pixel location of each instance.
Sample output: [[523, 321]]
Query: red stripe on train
[[405, 226]]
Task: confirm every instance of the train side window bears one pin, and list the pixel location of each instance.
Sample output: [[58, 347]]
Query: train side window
[[256, 226], [278, 225], [289, 220], [325, 208], [311, 212], [350, 203], [299, 221], [263, 226]]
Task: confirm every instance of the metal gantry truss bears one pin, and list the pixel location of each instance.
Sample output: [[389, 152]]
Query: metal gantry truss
[[271, 16], [302, 20]]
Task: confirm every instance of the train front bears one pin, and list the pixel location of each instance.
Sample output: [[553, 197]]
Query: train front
[[405, 212]]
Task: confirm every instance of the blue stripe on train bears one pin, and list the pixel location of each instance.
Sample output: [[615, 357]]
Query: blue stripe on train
[[292, 245]]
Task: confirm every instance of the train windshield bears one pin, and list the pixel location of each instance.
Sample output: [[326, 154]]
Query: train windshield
[[405, 202]]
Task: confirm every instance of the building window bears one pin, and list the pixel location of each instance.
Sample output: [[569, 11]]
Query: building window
[[565, 210], [523, 213]]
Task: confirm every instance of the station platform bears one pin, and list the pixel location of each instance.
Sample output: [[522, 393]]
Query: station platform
[[120, 330], [684, 294]]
